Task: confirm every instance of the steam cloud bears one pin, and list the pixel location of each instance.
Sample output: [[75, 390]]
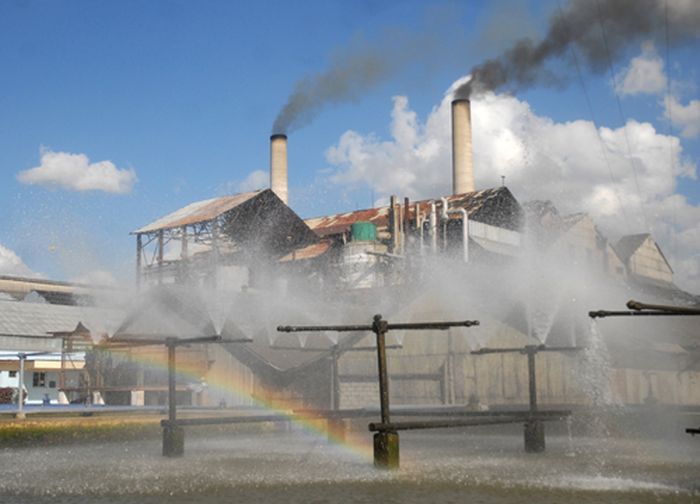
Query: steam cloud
[[579, 25]]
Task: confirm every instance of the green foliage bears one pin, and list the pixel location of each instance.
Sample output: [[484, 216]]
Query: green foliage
[[33, 432]]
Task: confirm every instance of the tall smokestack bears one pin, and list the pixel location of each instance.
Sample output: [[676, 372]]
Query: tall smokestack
[[462, 171], [278, 166]]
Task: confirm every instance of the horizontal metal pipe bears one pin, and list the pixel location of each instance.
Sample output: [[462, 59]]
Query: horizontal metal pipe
[[481, 414], [372, 348], [182, 422], [435, 412], [440, 424], [301, 349], [338, 328], [401, 326], [433, 325], [526, 349], [125, 342], [465, 422], [326, 349], [638, 305], [606, 313]]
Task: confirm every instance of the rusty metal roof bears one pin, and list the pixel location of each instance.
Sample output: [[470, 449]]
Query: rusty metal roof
[[308, 252], [200, 211], [480, 205], [333, 224]]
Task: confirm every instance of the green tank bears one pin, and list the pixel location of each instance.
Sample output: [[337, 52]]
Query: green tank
[[363, 231]]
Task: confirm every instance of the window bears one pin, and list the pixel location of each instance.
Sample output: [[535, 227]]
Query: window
[[52, 384], [13, 374], [39, 380]]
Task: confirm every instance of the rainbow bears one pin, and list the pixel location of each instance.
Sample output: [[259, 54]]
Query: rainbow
[[309, 423]]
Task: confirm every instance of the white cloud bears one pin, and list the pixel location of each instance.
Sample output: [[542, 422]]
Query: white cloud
[[75, 172], [686, 117], [570, 163], [644, 75], [11, 264], [255, 180]]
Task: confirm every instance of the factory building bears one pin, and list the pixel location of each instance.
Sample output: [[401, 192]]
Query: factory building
[[378, 257], [237, 266]]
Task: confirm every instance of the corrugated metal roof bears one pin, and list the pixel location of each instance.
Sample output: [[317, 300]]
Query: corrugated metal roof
[[18, 318], [474, 203], [200, 211], [333, 224], [308, 252]]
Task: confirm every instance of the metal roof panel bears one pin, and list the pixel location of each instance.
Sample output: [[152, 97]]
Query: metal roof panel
[[199, 211]]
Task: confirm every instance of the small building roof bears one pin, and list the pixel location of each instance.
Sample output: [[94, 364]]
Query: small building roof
[[309, 252], [197, 212], [51, 291], [42, 320], [628, 245]]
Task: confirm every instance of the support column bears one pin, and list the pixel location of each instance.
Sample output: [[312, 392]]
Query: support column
[[335, 379], [386, 443], [214, 252], [20, 392], [161, 245], [139, 254], [173, 436], [386, 450], [534, 428]]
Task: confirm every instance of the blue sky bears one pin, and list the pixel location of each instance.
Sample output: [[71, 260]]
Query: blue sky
[[180, 98]]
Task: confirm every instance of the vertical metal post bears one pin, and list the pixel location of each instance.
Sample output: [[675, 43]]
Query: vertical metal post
[[379, 327], [172, 399], [20, 395], [335, 379], [393, 225], [386, 443], [336, 426], [173, 435], [214, 251], [534, 428], [139, 254], [532, 378], [183, 243], [450, 369], [65, 346], [161, 244]]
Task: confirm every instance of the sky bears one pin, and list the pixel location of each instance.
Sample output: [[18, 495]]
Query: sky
[[113, 114]]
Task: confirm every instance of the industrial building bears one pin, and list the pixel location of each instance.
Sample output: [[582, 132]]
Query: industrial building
[[379, 258], [238, 266]]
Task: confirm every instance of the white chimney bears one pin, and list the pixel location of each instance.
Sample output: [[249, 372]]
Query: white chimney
[[278, 166], [462, 170]]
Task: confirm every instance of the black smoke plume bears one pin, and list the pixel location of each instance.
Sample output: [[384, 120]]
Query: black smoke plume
[[599, 30], [351, 72]]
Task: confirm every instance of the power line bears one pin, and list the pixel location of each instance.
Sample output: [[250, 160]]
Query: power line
[[669, 112], [622, 116], [603, 149]]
